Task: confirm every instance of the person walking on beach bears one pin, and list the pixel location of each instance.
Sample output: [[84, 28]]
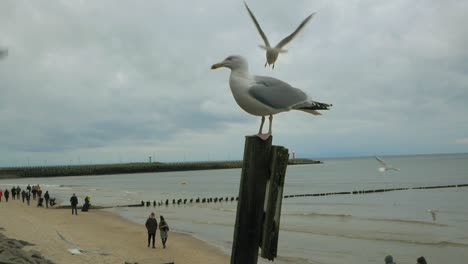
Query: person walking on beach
[[28, 188], [34, 191], [7, 195], [151, 226], [23, 195], [46, 198], [389, 259], [13, 193], [74, 203], [1, 194], [28, 197], [163, 229], [421, 260]]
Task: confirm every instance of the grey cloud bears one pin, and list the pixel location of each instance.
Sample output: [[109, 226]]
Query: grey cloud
[[89, 76]]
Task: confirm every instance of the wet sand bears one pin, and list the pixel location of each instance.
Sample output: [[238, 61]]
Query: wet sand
[[108, 237]]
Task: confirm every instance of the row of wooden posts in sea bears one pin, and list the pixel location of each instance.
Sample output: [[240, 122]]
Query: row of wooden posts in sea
[[232, 199], [189, 201]]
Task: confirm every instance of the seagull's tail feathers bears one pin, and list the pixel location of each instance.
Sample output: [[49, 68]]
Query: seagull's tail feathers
[[311, 107]]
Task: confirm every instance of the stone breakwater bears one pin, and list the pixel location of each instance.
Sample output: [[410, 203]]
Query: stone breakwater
[[125, 168], [11, 251]]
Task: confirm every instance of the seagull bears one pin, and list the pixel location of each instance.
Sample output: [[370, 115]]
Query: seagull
[[76, 250], [385, 166], [272, 52], [433, 213], [3, 53], [265, 96]]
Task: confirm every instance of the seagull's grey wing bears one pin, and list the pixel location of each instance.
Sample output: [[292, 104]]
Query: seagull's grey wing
[[381, 161], [262, 34], [275, 93], [287, 39]]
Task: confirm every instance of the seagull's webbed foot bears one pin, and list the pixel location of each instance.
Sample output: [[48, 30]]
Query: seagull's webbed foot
[[263, 136], [260, 134]]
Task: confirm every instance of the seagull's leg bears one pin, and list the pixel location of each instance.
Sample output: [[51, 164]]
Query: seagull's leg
[[266, 62], [271, 120], [261, 125], [260, 135], [273, 66]]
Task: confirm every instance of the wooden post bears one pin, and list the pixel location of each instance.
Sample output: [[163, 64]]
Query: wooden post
[[273, 201], [249, 216]]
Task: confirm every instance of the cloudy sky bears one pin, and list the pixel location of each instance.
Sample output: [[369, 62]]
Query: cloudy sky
[[110, 81]]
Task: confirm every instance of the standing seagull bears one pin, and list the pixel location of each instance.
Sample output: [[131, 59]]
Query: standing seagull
[[385, 166], [262, 95], [272, 52]]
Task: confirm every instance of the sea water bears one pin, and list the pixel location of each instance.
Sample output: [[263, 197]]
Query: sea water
[[360, 228]]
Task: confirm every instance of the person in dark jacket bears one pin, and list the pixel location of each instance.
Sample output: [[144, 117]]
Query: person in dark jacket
[[13, 193], [151, 226], [46, 198], [7, 194], [389, 259], [421, 260], [74, 203], [28, 188], [28, 197], [34, 191], [23, 195], [163, 230]]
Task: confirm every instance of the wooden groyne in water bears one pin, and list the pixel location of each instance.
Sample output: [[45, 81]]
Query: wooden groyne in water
[[376, 190], [126, 168], [230, 199]]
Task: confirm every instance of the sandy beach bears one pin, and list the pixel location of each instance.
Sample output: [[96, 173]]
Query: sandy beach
[[109, 237]]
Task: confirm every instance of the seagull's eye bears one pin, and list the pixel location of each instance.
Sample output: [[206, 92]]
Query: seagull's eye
[[229, 58]]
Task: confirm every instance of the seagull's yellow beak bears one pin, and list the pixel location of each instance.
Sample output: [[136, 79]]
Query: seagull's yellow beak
[[217, 65]]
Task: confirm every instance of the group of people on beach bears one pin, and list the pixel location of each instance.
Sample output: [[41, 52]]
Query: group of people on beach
[[389, 260], [152, 226], [74, 204], [25, 195]]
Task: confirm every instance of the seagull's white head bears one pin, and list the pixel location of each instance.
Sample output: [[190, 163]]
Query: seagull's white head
[[233, 62]]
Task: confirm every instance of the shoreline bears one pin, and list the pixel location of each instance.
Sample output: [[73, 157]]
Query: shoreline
[[126, 168], [109, 237]]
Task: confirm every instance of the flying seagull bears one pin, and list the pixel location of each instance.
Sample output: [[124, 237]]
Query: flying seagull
[[272, 52], [3, 53], [265, 96], [385, 166], [76, 250], [433, 212]]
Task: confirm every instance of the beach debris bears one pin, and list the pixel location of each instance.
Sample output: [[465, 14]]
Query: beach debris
[[76, 250], [385, 167]]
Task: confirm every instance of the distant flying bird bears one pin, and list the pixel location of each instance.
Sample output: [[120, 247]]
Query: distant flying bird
[[265, 96], [433, 213], [272, 52], [385, 166], [3, 53]]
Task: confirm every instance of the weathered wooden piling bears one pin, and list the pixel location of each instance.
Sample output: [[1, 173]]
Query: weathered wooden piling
[[273, 200], [249, 215]]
